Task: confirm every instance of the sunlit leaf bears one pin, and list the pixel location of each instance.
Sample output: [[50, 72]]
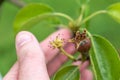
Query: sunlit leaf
[[68, 73], [32, 14], [114, 11], [104, 59]]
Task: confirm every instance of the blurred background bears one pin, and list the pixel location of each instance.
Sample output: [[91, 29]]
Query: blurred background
[[101, 24]]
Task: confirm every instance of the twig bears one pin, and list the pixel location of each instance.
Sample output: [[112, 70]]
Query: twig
[[18, 3], [1, 1]]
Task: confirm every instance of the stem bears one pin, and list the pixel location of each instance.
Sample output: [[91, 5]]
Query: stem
[[18, 3], [1, 1], [89, 34], [68, 55], [92, 15], [65, 16], [81, 15], [71, 21]]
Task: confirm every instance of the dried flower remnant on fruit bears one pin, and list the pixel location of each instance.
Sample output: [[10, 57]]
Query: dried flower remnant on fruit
[[58, 42], [78, 38], [82, 44]]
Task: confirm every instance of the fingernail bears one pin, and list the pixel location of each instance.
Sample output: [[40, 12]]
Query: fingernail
[[23, 39]]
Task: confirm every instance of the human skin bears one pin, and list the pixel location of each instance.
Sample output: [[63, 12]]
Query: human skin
[[37, 61]]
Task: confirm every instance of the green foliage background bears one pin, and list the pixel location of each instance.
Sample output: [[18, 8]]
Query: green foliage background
[[101, 24]]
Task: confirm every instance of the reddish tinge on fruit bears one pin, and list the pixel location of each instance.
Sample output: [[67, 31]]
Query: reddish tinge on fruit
[[84, 45]]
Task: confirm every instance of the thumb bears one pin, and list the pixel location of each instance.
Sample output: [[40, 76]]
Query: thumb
[[30, 58]]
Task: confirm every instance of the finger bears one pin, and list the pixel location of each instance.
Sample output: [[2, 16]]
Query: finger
[[60, 59], [50, 53], [86, 75], [84, 65], [13, 73], [44, 45], [31, 59]]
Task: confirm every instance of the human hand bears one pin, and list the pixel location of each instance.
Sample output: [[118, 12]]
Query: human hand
[[38, 61]]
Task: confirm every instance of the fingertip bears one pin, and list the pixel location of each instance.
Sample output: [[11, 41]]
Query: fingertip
[[86, 75], [26, 42], [30, 57], [84, 65], [22, 38]]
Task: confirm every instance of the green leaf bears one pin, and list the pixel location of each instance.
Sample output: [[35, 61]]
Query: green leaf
[[68, 73], [104, 59], [114, 11], [31, 15]]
